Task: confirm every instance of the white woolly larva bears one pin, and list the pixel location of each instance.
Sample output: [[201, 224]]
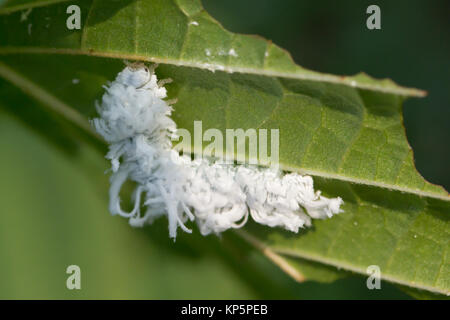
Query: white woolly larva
[[135, 120]]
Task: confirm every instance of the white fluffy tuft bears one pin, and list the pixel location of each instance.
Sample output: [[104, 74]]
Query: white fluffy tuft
[[135, 121]]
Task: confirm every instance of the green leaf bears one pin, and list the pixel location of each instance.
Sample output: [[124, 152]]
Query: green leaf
[[176, 32], [347, 132]]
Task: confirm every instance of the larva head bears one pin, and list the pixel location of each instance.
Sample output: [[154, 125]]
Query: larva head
[[135, 74]]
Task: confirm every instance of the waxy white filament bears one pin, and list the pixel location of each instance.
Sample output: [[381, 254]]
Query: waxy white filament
[[135, 121]]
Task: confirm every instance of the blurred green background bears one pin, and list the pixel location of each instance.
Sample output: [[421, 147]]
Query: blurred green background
[[53, 214]]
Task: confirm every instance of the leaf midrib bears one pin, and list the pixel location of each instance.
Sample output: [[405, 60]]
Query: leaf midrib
[[321, 77], [310, 75]]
